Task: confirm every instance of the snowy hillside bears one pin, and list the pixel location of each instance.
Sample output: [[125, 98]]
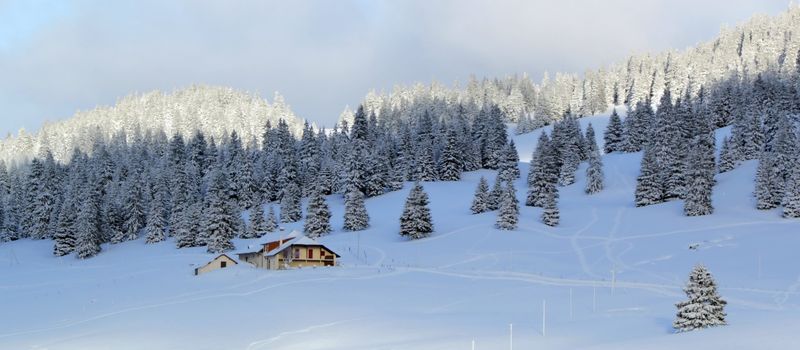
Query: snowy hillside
[[216, 111], [609, 275]]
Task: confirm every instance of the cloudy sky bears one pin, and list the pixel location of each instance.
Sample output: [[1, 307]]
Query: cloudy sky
[[57, 57]]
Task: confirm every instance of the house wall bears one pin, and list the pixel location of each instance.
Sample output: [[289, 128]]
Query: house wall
[[215, 264], [304, 260]]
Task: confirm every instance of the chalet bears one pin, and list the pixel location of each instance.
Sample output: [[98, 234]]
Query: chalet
[[220, 262], [297, 250]]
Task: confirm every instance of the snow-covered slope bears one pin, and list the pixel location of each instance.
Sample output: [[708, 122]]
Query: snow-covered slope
[[610, 275]]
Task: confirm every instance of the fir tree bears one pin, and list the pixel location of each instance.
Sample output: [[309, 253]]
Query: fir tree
[[156, 221], [450, 161], [539, 175], [87, 233], [594, 173], [496, 195], [767, 183], [318, 216], [698, 197], [291, 210], [550, 215], [727, 156], [704, 307], [416, 220], [272, 223], [257, 226], [220, 225], [134, 213], [648, 185], [480, 203], [508, 215], [356, 217], [64, 236], [508, 168], [613, 134], [791, 202]]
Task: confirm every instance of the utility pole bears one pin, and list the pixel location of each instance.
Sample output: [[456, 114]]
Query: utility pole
[[570, 305], [511, 336], [594, 298]]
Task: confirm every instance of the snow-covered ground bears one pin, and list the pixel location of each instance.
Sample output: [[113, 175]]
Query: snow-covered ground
[[609, 274]]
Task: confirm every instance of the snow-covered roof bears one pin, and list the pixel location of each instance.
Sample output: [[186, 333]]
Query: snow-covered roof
[[301, 240]]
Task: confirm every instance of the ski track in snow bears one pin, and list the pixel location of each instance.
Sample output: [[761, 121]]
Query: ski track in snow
[[262, 343]]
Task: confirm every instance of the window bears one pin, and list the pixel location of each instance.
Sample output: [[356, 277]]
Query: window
[[223, 264], [297, 253], [310, 253]]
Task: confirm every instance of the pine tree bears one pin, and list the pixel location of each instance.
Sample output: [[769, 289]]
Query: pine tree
[[791, 202], [539, 175], [508, 215], [356, 217], [416, 220], [613, 134], [594, 173], [698, 197], [450, 161], [318, 216], [272, 223], [704, 307], [727, 156], [291, 211], [87, 233], [496, 195], [550, 215], [156, 220], [64, 235], [219, 216], [508, 168], [134, 213], [767, 183], [257, 226], [648, 185], [480, 203]]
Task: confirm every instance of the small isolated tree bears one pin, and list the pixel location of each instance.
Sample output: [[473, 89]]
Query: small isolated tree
[[480, 203], [318, 215], [416, 221], [704, 307], [356, 217], [613, 134], [550, 215], [508, 215], [594, 173], [272, 222]]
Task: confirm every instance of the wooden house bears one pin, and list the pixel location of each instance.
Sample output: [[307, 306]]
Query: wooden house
[[220, 262], [297, 250]]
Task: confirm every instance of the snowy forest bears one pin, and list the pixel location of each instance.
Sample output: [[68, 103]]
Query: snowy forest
[[103, 178]]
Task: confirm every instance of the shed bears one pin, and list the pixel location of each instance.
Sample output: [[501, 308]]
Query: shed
[[220, 262]]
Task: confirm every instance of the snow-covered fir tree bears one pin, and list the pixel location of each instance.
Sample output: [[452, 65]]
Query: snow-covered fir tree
[[594, 173], [551, 215], [318, 216], [155, 230], [291, 211], [704, 307], [791, 200], [508, 168], [649, 188], [416, 221], [257, 226], [496, 195], [613, 136], [450, 163], [727, 156], [271, 224], [356, 217], [220, 226], [480, 202], [698, 197], [508, 215]]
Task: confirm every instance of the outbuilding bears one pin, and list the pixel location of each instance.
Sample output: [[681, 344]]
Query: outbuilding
[[220, 262]]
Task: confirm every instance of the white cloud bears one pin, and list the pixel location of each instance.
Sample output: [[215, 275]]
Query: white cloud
[[323, 54]]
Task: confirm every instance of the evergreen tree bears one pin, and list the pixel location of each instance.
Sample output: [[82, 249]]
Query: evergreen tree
[[539, 182], [508, 169], [480, 203], [727, 156], [550, 215], [791, 202], [257, 226], [133, 212], [416, 220], [318, 216], [496, 195], [594, 173], [450, 161], [704, 307], [87, 222], [698, 197], [272, 223], [508, 215], [648, 185], [356, 217], [290, 204], [64, 236], [767, 183], [220, 225], [613, 134], [156, 218]]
